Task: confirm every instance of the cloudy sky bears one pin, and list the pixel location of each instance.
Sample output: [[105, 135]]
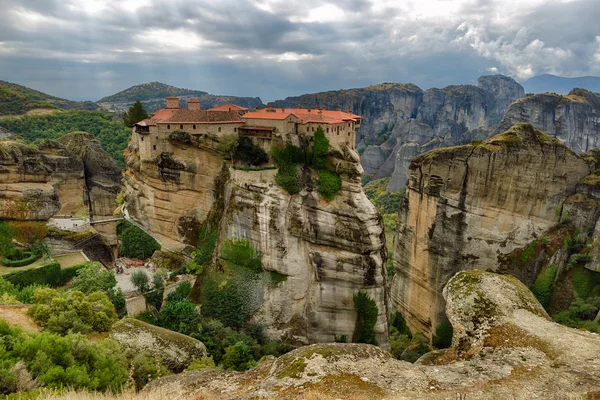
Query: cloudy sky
[[85, 49]]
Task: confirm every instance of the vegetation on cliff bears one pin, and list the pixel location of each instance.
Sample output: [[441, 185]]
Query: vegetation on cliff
[[134, 242], [113, 135]]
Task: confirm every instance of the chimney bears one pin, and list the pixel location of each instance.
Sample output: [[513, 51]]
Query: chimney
[[255, 108], [349, 111], [297, 106], [172, 102], [324, 108], [316, 107], [193, 104]]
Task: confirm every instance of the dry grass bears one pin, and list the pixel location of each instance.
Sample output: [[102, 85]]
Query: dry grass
[[17, 316]]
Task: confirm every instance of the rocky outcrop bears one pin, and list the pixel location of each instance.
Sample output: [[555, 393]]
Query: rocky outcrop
[[573, 119], [324, 252], [36, 184], [468, 207], [175, 350], [504, 346], [72, 175], [102, 173]]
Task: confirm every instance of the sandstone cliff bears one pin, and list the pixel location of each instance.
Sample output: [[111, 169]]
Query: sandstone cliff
[[503, 346], [326, 252], [468, 207], [573, 119], [63, 177]]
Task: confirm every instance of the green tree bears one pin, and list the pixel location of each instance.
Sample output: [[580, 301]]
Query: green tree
[[321, 150], [93, 278], [366, 318], [140, 280], [135, 114]]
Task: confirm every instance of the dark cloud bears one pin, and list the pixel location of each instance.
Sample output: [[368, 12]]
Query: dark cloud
[[274, 48]]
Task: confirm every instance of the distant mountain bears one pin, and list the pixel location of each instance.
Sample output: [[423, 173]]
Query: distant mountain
[[17, 99], [153, 94], [149, 91], [558, 84]]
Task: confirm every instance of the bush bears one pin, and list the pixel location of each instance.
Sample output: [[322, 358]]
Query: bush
[[181, 292], [366, 318], [145, 369], [330, 184], [586, 283], [134, 242], [249, 153], [397, 321], [398, 343], [72, 311], [180, 316], [544, 284], [288, 160], [418, 346], [155, 298], [241, 253], [58, 362], [321, 150], [443, 336], [140, 280], [47, 275], [200, 363], [92, 277], [19, 259], [238, 357]]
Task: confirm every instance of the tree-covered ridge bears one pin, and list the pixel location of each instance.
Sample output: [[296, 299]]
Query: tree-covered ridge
[[113, 135], [150, 90], [17, 99]]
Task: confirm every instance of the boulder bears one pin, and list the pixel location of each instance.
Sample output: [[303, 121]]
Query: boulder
[[175, 350]]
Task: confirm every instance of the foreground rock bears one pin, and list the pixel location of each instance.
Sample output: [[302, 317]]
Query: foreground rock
[[468, 207], [174, 349], [504, 347]]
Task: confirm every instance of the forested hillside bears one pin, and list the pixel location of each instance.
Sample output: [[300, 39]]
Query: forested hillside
[[16, 99], [35, 128]]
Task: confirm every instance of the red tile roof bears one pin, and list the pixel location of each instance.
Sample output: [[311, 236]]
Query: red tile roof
[[228, 107], [303, 115], [179, 116]]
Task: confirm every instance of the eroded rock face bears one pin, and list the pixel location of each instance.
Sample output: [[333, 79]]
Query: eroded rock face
[[573, 119], [504, 346], [466, 207], [36, 184], [326, 251], [175, 350]]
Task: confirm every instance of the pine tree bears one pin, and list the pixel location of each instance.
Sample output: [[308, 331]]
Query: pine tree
[[135, 114]]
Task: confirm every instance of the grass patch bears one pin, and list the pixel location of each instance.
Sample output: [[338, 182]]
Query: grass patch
[[544, 284]]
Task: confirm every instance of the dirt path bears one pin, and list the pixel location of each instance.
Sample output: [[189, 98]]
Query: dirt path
[[17, 316]]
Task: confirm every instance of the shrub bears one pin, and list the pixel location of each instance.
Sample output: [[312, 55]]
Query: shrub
[[330, 184], [544, 284], [200, 363], [69, 273], [398, 342], [145, 369], [58, 362], [179, 316], [134, 242], [72, 311], [93, 277], [320, 150], [418, 346], [586, 283], [443, 336], [46, 275], [288, 160], [241, 252], [207, 242], [366, 318], [181, 292], [140, 280], [19, 259], [397, 321], [249, 153], [238, 357], [155, 298]]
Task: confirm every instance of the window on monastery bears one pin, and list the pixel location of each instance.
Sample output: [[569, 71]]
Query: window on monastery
[[142, 138], [327, 130], [154, 147], [181, 126], [156, 137], [168, 126], [313, 129], [348, 133], [194, 126], [235, 129], [219, 129]]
